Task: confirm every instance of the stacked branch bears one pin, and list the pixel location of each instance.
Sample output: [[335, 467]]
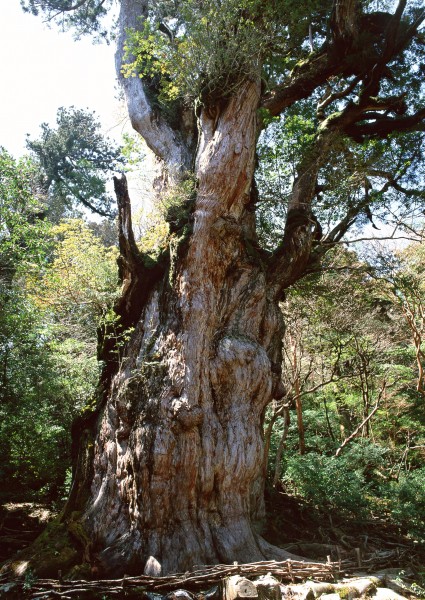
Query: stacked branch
[[288, 571]]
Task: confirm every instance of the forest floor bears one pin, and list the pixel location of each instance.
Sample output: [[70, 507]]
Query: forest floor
[[291, 524], [305, 530], [20, 523]]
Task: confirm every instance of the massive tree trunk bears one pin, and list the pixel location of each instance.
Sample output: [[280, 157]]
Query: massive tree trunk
[[177, 473]]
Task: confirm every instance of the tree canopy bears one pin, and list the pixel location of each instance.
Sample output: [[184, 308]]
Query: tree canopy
[[341, 98]]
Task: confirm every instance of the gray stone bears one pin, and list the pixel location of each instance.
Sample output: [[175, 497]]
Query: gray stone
[[387, 594], [298, 592]]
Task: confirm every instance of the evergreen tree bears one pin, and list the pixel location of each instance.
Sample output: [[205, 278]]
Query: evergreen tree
[[170, 467]]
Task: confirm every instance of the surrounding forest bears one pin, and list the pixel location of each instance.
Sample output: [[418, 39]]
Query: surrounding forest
[[247, 364]]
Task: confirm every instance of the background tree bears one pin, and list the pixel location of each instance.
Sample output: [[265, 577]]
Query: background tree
[[170, 470], [355, 359], [48, 332], [402, 273], [57, 285], [79, 284], [75, 162], [21, 230]]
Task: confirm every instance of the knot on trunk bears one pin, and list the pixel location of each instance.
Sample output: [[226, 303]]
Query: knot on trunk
[[241, 368], [187, 416]]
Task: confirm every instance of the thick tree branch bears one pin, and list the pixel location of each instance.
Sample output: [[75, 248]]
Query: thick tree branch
[[385, 126], [297, 254], [345, 21], [290, 261], [294, 257], [302, 82], [321, 65], [138, 274], [392, 37], [392, 103], [166, 143], [340, 57]]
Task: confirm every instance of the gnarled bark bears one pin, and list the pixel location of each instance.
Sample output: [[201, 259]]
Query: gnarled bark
[[168, 144], [178, 455]]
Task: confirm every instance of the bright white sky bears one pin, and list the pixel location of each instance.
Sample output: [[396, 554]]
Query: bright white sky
[[43, 69]]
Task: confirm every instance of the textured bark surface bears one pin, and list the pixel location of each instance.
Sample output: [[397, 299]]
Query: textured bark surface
[[178, 459], [166, 143]]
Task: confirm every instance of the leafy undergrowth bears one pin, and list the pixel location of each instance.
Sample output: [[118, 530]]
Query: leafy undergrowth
[[305, 529]]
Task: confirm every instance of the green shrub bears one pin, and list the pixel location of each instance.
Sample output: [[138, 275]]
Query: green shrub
[[327, 482], [342, 483], [406, 501]]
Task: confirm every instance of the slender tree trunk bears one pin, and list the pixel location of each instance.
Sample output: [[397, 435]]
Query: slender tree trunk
[[328, 422], [300, 422], [417, 327], [281, 447], [297, 394]]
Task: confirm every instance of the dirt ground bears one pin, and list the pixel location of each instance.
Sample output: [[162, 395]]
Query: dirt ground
[[20, 524]]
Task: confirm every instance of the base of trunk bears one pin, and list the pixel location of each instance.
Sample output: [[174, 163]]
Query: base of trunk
[[57, 553]]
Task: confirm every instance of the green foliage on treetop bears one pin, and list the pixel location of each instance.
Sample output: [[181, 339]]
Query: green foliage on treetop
[[23, 241], [79, 285], [81, 16], [206, 50]]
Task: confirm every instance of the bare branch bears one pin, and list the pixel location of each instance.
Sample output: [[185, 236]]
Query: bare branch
[[363, 423], [393, 182], [378, 239], [323, 384], [73, 6], [336, 96], [63, 10]]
